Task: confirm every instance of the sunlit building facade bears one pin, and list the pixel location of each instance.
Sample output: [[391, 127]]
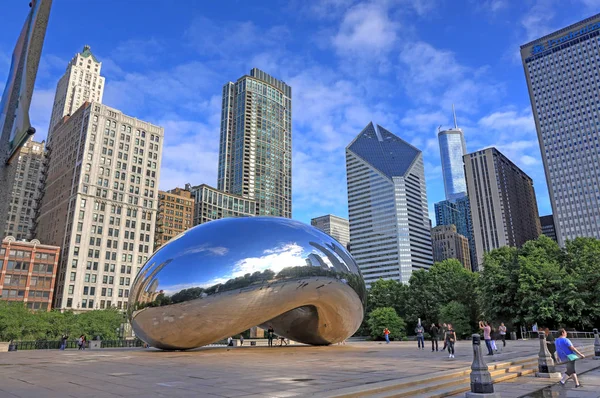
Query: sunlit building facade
[[387, 206], [458, 213], [502, 199], [452, 149], [561, 70], [255, 150], [212, 204]]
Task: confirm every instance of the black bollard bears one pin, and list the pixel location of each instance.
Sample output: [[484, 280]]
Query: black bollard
[[545, 361], [481, 380], [596, 345]]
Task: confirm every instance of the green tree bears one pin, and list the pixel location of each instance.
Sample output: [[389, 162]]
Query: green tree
[[459, 316], [498, 285], [387, 293], [541, 278], [453, 282], [386, 317], [581, 258], [422, 299]]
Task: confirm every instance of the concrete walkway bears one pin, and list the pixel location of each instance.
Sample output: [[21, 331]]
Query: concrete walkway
[[222, 372]]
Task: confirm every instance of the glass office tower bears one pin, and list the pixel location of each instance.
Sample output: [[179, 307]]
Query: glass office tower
[[561, 70], [390, 233], [458, 213], [452, 150]]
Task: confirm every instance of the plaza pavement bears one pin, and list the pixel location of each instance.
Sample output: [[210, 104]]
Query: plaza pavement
[[222, 372]]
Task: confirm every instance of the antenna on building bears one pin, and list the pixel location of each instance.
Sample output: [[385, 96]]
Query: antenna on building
[[454, 113]]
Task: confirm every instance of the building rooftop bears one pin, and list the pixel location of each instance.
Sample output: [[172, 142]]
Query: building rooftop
[[385, 151]]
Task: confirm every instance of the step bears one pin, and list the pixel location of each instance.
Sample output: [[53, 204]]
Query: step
[[467, 385], [458, 385], [452, 381]]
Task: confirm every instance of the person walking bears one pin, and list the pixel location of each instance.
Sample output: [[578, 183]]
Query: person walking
[[450, 338], [502, 331], [567, 352], [270, 334], [434, 332], [550, 343], [241, 340], [420, 331], [444, 328], [487, 335], [63, 341], [386, 334]]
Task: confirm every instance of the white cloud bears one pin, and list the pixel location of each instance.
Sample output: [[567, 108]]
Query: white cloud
[[366, 31], [435, 77], [233, 37]]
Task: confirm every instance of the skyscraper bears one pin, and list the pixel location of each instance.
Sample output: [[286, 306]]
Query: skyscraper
[[455, 210], [334, 226], [452, 150], [100, 204], [447, 244], [502, 198], [81, 83], [26, 191], [390, 234], [561, 70], [458, 213], [255, 152]]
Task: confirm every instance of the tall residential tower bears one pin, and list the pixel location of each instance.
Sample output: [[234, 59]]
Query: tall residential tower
[[387, 206], [255, 152], [81, 83], [503, 205], [561, 70]]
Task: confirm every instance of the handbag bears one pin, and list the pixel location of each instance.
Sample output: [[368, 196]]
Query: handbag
[[572, 357]]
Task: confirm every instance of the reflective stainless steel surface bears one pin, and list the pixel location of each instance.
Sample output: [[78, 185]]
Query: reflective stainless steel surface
[[221, 278]]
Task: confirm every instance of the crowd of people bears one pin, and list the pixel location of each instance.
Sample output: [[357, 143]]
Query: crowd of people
[[561, 349]]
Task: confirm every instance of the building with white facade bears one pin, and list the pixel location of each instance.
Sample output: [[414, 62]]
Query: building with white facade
[[100, 204], [561, 70], [81, 83], [334, 226], [26, 191], [390, 233]]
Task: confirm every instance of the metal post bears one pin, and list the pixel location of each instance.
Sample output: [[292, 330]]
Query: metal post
[[545, 361], [481, 380], [596, 345]]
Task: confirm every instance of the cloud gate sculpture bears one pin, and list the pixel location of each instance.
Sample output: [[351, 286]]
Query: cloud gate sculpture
[[221, 278]]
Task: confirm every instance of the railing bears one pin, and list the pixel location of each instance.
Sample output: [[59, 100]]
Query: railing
[[55, 344], [121, 343], [572, 334]]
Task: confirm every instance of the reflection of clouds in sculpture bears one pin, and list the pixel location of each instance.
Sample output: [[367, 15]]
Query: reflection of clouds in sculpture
[[215, 250], [225, 276], [287, 255]]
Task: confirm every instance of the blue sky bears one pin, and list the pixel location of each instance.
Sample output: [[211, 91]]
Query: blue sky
[[398, 63]]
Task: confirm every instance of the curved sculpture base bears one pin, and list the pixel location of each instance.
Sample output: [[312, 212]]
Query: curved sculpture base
[[315, 311]]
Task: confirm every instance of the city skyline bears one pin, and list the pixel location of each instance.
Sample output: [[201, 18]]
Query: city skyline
[[169, 94]]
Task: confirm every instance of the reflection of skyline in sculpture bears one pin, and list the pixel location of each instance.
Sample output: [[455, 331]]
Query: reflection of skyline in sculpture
[[226, 276]]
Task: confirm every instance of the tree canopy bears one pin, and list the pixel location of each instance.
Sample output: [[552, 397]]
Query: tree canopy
[[19, 323], [537, 283]]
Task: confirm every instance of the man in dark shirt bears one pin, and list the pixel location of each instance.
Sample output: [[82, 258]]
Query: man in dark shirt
[[434, 332], [270, 335]]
